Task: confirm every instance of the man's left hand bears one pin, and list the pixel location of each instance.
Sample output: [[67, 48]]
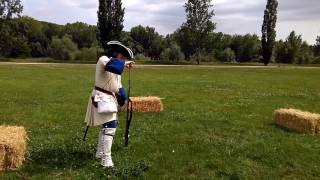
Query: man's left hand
[[129, 64]]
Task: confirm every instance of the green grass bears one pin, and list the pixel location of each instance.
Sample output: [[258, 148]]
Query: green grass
[[217, 123], [152, 62]]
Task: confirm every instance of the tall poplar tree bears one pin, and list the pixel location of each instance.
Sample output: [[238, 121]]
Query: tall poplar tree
[[268, 30], [110, 21]]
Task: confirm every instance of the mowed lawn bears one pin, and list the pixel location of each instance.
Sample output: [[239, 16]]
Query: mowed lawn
[[217, 123]]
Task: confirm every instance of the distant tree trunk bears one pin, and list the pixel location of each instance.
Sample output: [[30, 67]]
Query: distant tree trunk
[[268, 30]]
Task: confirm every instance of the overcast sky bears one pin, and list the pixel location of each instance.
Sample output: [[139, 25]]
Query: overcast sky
[[232, 16]]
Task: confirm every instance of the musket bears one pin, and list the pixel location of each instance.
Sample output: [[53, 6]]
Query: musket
[[85, 134], [129, 113]]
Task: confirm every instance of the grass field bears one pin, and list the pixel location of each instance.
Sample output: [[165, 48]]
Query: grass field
[[217, 123]]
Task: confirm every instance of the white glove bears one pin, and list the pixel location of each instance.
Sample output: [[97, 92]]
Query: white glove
[[129, 64]]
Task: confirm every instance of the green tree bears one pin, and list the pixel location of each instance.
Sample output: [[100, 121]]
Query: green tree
[[251, 48], [51, 30], [193, 34], [227, 55], [293, 50], [317, 47], [132, 44], [13, 41], [173, 53], [246, 48], [281, 52], [37, 50], [184, 39], [21, 49], [305, 55], [110, 21], [147, 37], [268, 30], [294, 43], [33, 32], [236, 46], [318, 41], [9, 8], [82, 34], [218, 41], [8, 37], [143, 36], [157, 47], [63, 49], [87, 54]]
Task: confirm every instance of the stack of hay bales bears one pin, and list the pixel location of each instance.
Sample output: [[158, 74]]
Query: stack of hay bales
[[146, 104], [12, 147], [297, 120]]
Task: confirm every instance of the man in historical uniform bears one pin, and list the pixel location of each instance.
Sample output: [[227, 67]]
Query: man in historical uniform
[[107, 93]]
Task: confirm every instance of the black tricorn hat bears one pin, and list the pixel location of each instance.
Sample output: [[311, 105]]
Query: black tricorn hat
[[118, 47]]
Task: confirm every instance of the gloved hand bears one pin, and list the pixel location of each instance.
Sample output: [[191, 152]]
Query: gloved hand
[[129, 64], [122, 97]]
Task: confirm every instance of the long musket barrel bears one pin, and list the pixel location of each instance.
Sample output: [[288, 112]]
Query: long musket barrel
[[129, 114], [85, 134]]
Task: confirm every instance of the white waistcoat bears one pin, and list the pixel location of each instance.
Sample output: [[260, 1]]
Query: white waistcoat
[[107, 81]]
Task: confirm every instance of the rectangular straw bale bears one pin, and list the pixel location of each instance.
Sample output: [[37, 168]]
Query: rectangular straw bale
[[297, 120], [13, 147], [146, 104]]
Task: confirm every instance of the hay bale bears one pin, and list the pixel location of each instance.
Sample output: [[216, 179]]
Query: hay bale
[[318, 127], [12, 147], [146, 104], [297, 120]]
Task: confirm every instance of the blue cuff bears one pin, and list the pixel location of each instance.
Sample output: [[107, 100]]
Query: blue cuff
[[115, 66], [123, 93], [122, 97]]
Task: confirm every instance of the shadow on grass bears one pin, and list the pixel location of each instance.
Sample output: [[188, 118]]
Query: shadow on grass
[[50, 160], [126, 170], [80, 157], [62, 158], [284, 129]]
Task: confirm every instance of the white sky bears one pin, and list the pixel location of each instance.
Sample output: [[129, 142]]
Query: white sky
[[232, 16]]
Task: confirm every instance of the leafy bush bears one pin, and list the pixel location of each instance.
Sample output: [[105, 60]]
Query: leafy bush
[[87, 54], [21, 49], [63, 49], [227, 55], [37, 50], [204, 57], [305, 55], [316, 60], [304, 58], [173, 53], [141, 57]]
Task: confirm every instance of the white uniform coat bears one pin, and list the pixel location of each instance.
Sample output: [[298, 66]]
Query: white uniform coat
[[107, 81]]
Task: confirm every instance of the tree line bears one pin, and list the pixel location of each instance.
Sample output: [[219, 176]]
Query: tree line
[[195, 40]]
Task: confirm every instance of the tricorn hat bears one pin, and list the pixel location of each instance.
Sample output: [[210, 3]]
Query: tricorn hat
[[118, 47]]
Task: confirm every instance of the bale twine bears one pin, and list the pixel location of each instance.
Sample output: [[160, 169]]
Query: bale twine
[[146, 104], [297, 120], [13, 147]]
